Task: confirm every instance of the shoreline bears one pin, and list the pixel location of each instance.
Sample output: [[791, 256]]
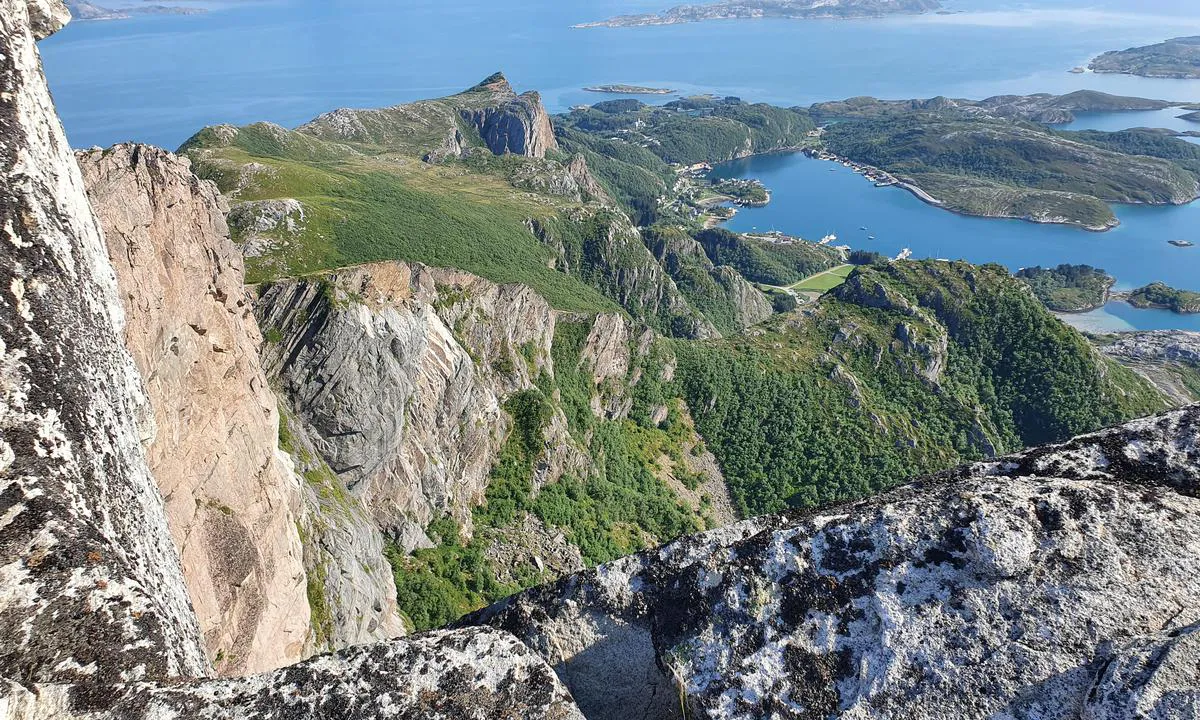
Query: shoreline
[[883, 179]]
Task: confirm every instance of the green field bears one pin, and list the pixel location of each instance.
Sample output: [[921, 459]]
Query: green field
[[826, 281]]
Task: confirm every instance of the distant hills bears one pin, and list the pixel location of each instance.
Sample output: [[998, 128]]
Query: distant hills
[[796, 9], [81, 10]]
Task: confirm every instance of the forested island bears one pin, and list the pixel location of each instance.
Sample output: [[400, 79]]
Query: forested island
[[1163, 296], [793, 9], [1068, 288], [1178, 58]]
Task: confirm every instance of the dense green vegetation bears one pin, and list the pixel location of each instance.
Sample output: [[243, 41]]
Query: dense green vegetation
[[1068, 288], [1011, 168], [1161, 295], [1151, 143], [617, 508], [764, 261], [630, 146], [908, 367], [716, 292], [847, 402]]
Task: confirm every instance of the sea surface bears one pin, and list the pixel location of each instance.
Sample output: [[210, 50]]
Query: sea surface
[[158, 79]]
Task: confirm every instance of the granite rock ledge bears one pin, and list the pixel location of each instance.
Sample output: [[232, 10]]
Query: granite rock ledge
[[1052, 584]]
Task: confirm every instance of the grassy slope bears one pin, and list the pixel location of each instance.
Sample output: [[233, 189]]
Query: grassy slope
[[362, 209], [826, 281]]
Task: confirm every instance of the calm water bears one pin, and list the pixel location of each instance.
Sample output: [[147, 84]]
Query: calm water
[[159, 79], [814, 198]]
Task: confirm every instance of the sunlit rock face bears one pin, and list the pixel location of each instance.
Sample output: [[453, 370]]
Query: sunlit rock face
[[232, 499]]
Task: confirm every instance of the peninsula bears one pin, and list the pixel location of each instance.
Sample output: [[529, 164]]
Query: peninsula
[[792, 9], [987, 158], [1178, 58], [629, 90]]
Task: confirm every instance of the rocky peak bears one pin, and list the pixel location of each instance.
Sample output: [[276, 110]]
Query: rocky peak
[[509, 123], [496, 83]]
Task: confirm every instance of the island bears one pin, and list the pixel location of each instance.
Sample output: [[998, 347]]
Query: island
[[1193, 116], [81, 10], [629, 90], [1068, 288], [753, 9], [744, 193], [1178, 58], [1164, 297]]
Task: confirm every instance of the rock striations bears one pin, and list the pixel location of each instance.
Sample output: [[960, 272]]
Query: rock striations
[[1055, 584], [398, 371]]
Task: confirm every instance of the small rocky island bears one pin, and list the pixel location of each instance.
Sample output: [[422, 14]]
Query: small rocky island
[[792, 9], [1178, 58], [629, 90]]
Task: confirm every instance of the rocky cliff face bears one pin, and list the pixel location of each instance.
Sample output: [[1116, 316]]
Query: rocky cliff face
[[232, 499], [507, 122], [1054, 584], [500, 119], [399, 372], [95, 620], [91, 586], [1169, 359]]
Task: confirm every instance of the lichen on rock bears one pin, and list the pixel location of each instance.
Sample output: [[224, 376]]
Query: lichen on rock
[[1038, 585]]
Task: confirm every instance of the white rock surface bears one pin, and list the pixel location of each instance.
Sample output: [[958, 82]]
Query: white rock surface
[[475, 674], [90, 585], [1054, 585]]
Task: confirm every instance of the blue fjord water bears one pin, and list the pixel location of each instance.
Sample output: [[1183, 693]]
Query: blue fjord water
[[159, 79]]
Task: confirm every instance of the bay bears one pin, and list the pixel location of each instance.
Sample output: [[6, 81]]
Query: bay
[[158, 79]]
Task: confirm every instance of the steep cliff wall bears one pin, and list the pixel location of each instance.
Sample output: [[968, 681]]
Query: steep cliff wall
[[232, 499], [95, 620], [90, 585], [399, 372], [1054, 584], [507, 122]]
